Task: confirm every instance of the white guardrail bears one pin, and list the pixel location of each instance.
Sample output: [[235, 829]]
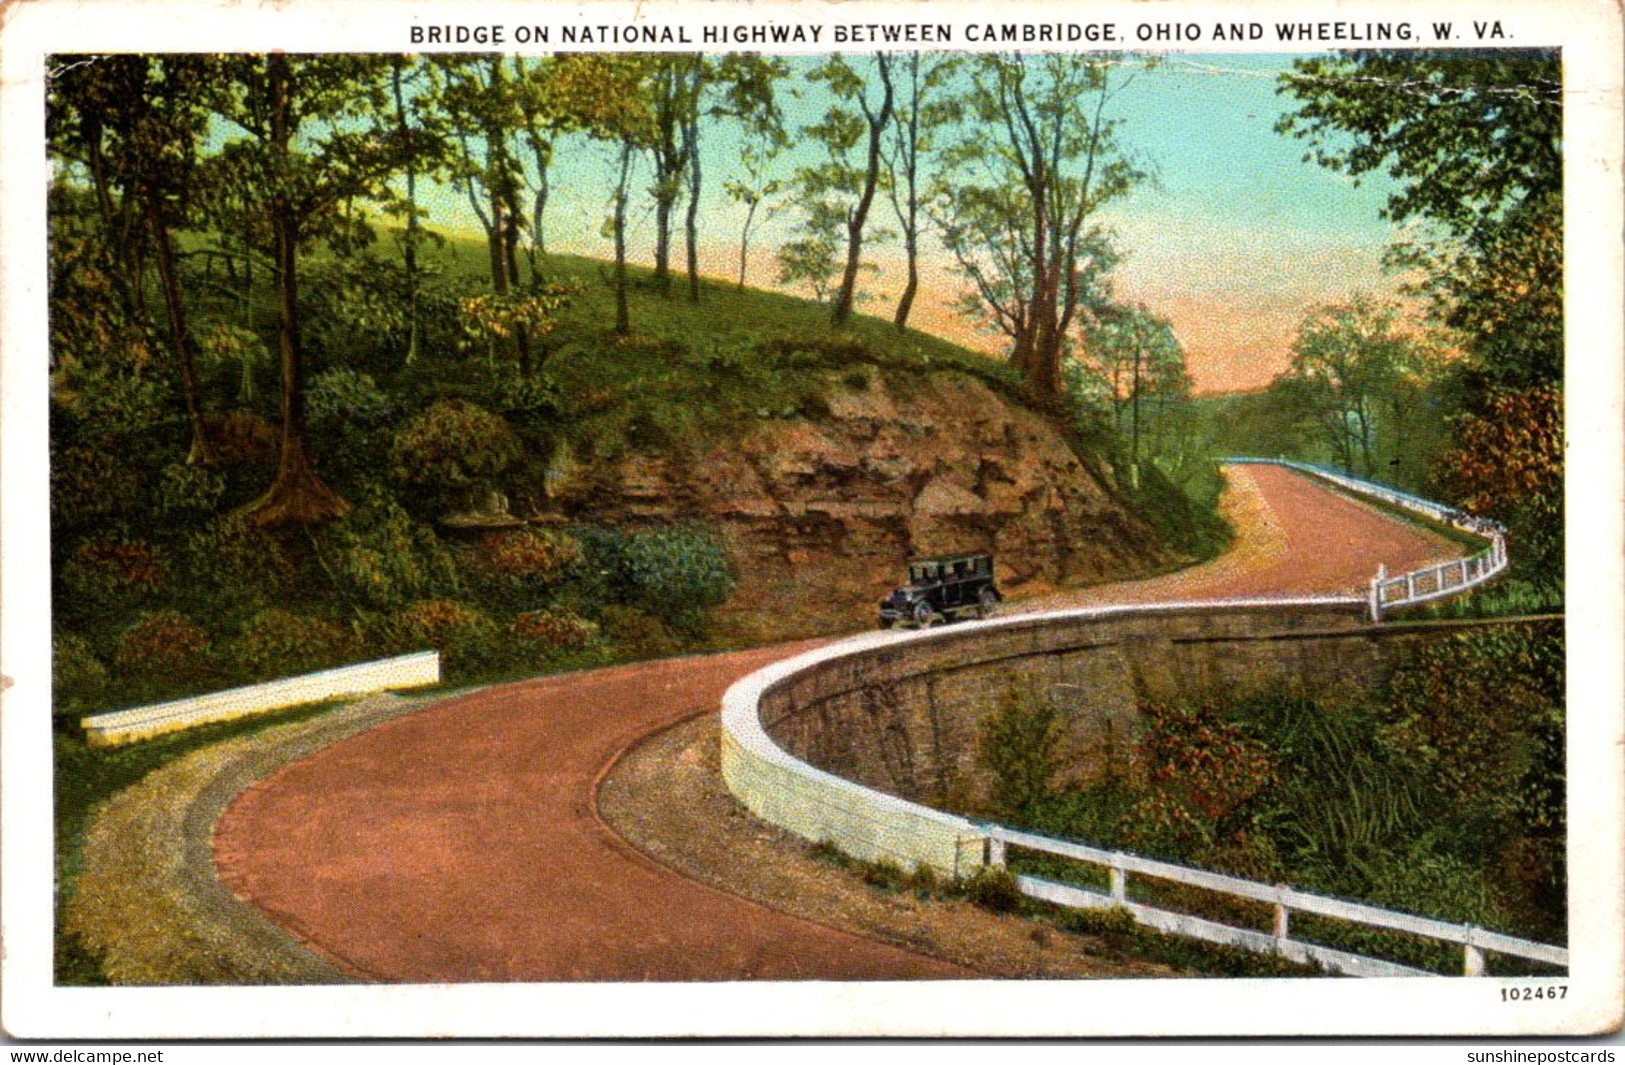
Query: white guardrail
[[874, 826], [364, 678], [1431, 582]]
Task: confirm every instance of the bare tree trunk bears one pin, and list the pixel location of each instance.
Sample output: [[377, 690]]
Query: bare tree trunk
[[846, 297], [623, 315], [180, 338], [691, 224]]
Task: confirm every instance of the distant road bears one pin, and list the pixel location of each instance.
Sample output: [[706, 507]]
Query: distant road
[[461, 843]]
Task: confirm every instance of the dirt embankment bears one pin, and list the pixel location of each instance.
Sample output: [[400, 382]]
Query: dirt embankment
[[821, 516]]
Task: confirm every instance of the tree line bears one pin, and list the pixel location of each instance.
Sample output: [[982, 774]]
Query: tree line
[[1008, 158]]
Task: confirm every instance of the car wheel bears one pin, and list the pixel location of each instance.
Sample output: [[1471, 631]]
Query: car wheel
[[985, 603], [923, 617], [885, 623]]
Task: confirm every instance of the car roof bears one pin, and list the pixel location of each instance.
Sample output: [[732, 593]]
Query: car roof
[[966, 556]]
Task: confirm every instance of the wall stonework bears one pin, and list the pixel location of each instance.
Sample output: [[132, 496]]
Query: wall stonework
[[907, 719]]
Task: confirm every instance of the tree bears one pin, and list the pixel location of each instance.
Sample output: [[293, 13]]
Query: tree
[[920, 113], [745, 87], [1474, 141], [1036, 161], [1351, 367], [840, 187], [674, 85], [137, 123], [755, 188], [1141, 361], [299, 144]]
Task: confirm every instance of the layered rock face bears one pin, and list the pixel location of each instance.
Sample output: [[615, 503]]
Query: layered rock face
[[821, 517]]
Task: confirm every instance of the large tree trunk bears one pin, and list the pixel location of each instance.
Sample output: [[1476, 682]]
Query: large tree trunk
[[297, 496], [180, 337]]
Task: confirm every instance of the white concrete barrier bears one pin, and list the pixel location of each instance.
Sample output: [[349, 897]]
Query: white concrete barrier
[[364, 678]]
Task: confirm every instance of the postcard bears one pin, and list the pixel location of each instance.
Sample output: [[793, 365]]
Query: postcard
[[672, 519]]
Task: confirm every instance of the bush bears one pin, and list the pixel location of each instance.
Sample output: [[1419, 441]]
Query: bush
[[675, 573], [78, 679], [277, 643], [637, 634], [163, 646], [237, 562], [994, 888], [555, 630], [381, 559], [519, 568], [187, 492], [1018, 748], [466, 639], [452, 450], [112, 574]]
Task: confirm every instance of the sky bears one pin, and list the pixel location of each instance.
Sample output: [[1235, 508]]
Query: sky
[[1234, 241]]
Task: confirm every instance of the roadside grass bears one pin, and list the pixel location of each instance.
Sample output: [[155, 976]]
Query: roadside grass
[[85, 776], [1114, 929]]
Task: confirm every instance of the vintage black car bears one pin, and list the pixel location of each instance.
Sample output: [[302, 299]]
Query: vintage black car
[[942, 589]]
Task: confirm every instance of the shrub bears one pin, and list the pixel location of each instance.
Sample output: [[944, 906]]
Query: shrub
[[237, 561], [518, 568], [113, 573], [163, 646], [382, 559], [78, 679], [638, 634], [1018, 748], [89, 483], [994, 888], [675, 573], [466, 639], [555, 630], [186, 492], [453, 449], [277, 643]]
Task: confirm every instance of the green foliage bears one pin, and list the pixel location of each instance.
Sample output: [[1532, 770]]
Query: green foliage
[[278, 643], [639, 634], [186, 492], [1188, 518], [452, 449], [165, 647], [1018, 747], [380, 558], [555, 630], [112, 575], [994, 888], [466, 639], [233, 564], [78, 679], [1442, 795], [674, 573]]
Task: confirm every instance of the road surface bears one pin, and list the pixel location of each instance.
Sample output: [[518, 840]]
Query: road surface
[[462, 843]]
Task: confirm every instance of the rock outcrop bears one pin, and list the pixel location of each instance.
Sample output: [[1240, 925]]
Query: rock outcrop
[[820, 517]]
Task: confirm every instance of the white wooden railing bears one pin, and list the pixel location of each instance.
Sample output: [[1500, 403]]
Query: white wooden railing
[[1431, 582], [1475, 942]]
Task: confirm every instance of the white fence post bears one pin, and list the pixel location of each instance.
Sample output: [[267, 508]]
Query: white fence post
[[1376, 593], [1280, 929], [1119, 880], [995, 852], [1472, 963]]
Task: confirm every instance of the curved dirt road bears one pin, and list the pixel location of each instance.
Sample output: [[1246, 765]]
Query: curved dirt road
[[462, 843]]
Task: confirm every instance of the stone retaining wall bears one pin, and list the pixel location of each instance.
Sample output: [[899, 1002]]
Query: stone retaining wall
[[866, 742]]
